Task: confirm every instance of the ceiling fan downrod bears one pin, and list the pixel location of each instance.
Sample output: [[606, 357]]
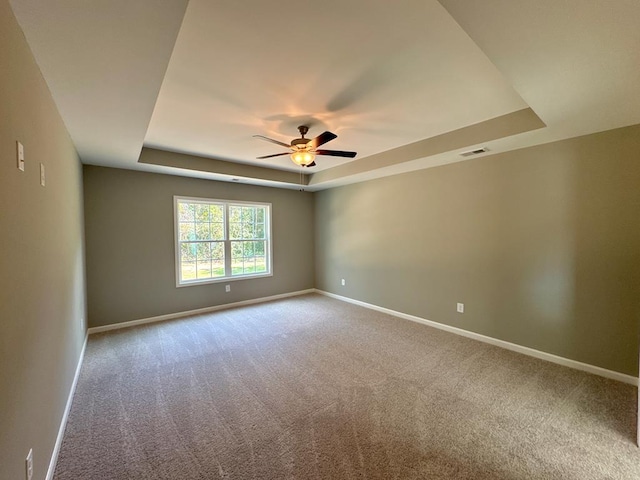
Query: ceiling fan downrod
[[301, 143], [303, 129]]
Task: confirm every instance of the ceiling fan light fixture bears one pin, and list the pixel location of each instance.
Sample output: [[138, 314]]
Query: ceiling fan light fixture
[[302, 158], [303, 150]]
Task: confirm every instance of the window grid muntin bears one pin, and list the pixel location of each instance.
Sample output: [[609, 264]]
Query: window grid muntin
[[256, 216], [247, 224], [196, 223]]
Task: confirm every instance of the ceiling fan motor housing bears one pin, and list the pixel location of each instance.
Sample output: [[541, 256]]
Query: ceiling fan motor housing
[[300, 143]]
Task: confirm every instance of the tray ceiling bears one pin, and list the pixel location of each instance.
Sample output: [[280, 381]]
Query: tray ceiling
[[135, 80]]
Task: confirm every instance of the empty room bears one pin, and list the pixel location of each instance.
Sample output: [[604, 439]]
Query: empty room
[[319, 240]]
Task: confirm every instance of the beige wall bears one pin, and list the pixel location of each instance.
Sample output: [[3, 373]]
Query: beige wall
[[130, 244], [541, 244], [42, 292]]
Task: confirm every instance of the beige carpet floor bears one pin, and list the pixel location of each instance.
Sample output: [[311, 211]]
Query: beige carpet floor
[[310, 387]]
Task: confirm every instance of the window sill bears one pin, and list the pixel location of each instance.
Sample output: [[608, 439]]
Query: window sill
[[221, 280]]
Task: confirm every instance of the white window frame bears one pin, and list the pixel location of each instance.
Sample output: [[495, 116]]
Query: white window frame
[[226, 241]]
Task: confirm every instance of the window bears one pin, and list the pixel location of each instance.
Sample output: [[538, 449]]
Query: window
[[218, 240]]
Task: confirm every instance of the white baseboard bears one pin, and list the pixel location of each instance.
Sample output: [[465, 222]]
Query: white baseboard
[[603, 372], [65, 416], [585, 367], [171, 316]]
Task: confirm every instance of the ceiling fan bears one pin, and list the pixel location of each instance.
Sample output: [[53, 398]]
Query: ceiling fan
[[304, 150]]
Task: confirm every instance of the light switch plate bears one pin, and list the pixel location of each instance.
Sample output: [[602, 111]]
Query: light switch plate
[[460, 308], [42, 177], [20, 155], [29, 465]]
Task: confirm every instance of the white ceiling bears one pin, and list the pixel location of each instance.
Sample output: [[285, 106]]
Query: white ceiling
[[202, 78], [377, 77]]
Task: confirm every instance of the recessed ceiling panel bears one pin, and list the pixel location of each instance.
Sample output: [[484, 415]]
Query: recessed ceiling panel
[[379, 75]]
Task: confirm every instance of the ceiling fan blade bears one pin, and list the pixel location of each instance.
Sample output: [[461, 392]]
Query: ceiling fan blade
[[322, 139], [312, 164], [335, 153], [274, 155], [277, 142]]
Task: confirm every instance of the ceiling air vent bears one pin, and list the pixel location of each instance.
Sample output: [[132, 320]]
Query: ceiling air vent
[[477, 151]]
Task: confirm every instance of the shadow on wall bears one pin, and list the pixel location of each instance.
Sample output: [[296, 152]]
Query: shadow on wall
[[540, 244], [606, 240]]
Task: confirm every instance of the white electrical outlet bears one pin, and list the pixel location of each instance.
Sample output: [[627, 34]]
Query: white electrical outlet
[[20, 155], [343, 282], [42, 177], [29, 465], [460, 308], [227, 288]]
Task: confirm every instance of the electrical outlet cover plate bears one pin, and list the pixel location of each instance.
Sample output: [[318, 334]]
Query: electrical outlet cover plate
[[460, 308]]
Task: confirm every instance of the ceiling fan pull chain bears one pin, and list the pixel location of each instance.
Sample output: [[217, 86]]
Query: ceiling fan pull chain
[[301, 186]]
